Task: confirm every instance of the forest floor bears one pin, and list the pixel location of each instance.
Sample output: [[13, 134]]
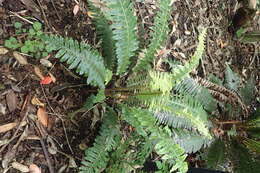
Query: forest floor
[[21, 92]]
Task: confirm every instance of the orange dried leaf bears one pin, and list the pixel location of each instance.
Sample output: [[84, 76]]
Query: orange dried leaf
[[42, 116], [38, 72], [46, 80], [34, 169]]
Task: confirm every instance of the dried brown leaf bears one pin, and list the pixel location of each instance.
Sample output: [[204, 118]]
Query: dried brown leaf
[[20, 167], [42, 116], [38, 72], [20, 58], [3, 50], [45, 62], [52, 77], [10, 126], [11, 100]]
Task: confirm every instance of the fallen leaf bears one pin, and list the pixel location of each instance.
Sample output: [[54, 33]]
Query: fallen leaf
[[46, 80], [52, 147], [33, 137], [10, 126], [72, 163], [34, 169], [42, 116], [20, 167], [36, 101], [45, 62], [52, 77], [11, 101], [76, 9], [8, 157], [38, 72], [21, 59], [252, 4], [2, 109], [3, 50]]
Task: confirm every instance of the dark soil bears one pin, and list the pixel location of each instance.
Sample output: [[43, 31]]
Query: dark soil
[[66, 95]]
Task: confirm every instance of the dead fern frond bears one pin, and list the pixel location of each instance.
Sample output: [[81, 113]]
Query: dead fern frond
[[223, 94]]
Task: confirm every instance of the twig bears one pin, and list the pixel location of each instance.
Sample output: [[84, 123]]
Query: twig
[[44, 15], [66, 136], [56, 11], [37, 128], [17, 15], [23, 113], [228, 122], [208, 51]]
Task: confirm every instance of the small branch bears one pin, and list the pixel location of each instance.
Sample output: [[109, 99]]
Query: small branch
[[228, 122]]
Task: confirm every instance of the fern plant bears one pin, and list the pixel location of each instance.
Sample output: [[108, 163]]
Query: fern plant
[[237, 139], [156, 104]]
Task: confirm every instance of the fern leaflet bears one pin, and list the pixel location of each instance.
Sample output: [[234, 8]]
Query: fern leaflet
[[123, 25], [105, 32], [159, 35], [172, 153], [190, 142], [216, 155], [97, 157], [81, 56], [181, 72]]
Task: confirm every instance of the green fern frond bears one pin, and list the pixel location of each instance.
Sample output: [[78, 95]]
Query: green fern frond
[[243, 161], [129, 154], [247, 92], [124, 26], [97, 157], [159, 34], [81, 56], [181, 72], [254, 123], [190, 87], [182, 106], [165, 82], [104, 31], [165, 85], [252, 144], [216, 156], [190, 142], [171, 153], [232, 79]]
